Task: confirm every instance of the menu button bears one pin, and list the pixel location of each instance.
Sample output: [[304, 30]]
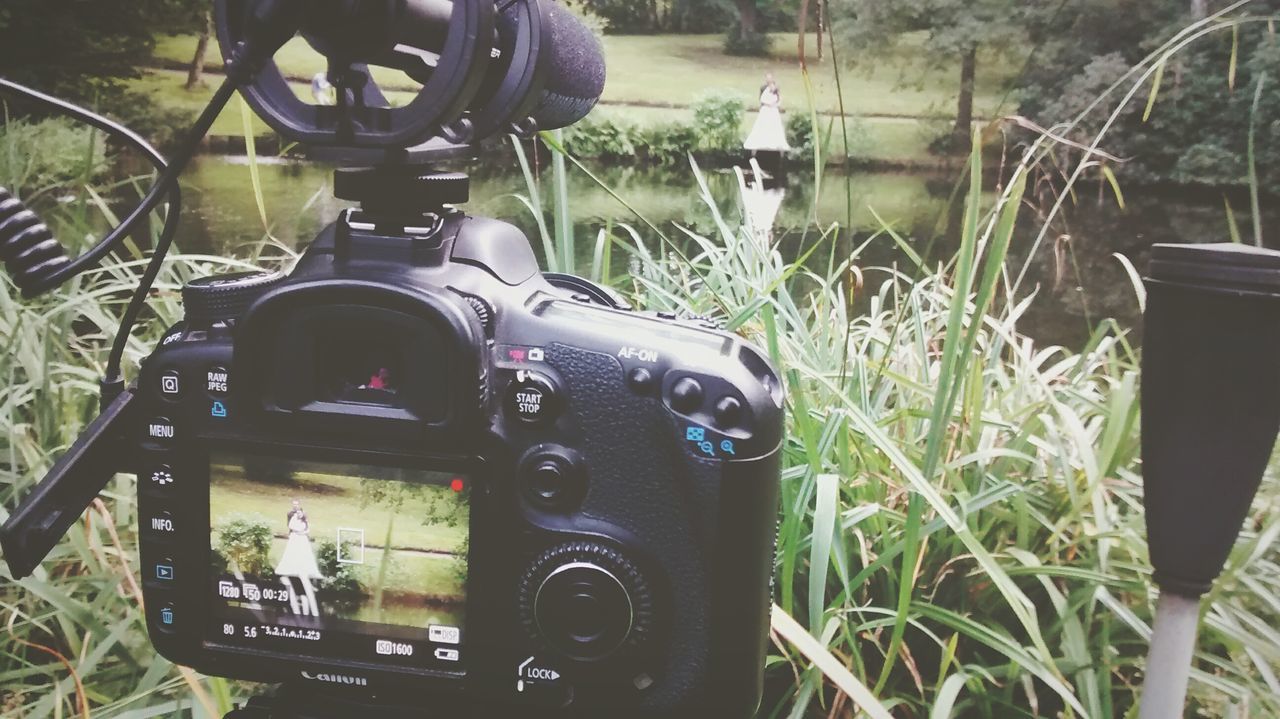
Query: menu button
[[161, 429]]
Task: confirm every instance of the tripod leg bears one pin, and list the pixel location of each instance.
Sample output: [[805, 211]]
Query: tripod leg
[[1173, 642]]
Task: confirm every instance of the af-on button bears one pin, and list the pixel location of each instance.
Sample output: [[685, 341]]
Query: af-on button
[[532, 397]]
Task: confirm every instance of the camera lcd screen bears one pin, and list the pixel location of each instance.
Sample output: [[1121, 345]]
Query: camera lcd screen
[[339, 561]]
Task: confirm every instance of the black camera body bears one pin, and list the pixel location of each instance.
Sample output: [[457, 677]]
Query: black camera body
[[526, 493], [417, 477]]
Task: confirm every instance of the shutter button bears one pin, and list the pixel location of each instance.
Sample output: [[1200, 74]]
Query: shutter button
[[532, 397]]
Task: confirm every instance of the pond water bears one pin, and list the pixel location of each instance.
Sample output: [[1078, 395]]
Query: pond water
[[1079, 280]]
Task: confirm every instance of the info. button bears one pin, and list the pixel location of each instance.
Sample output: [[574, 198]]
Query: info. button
[[159, 524]]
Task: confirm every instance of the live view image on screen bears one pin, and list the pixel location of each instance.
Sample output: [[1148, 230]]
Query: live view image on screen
[[339, 560]]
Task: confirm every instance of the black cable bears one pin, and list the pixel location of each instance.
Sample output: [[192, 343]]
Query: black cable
[[96, 253], [112, 381]]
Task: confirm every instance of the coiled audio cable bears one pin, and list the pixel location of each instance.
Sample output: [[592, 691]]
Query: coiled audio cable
[[34, 259]]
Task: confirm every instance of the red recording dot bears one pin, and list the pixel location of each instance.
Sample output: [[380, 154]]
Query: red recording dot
[[457, 484]]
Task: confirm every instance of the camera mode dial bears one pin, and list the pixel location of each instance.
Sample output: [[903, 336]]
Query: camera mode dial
[[586, 601], [222, 298]]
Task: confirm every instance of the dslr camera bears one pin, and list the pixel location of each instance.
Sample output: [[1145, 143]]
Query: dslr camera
[[415, 474]]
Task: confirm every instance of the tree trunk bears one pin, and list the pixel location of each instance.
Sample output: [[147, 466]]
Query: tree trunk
[[963, 133], [803, 22], [822, 25], [195, 76], [1199, 9], [747, 17]]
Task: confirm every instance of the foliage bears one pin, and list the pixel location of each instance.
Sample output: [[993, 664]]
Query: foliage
[[1199, 124], [77, 49], [339, 577], [595, 137], [714, 135], [668, 143], [658, 16], [745, 42], [928, 427], [48, 154], [245, 541], [717, 119], [956, 31], [831, 131]]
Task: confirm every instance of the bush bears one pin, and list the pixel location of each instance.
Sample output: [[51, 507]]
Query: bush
[[1209, 163], [717, 121], [339, 577], [667, 144], [245, 541], [601, 138], [44, 154], [750, 44], [856, 134]]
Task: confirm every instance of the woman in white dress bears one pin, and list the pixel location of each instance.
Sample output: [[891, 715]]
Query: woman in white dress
[[769, 134], [299, 561]]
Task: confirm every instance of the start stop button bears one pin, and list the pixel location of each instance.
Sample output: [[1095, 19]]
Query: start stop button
[[533, 398]]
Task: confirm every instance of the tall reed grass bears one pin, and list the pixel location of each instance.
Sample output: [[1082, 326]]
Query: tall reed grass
[[961, 531]]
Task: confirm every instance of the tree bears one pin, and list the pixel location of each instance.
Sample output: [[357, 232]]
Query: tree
[[955, 30], [1199, 128], [80, 49]]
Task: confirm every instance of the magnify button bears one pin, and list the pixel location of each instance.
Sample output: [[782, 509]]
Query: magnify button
[[726, 446]]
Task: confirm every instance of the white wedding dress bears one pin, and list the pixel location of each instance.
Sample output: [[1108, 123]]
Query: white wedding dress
[[299, 560], [768, 134]]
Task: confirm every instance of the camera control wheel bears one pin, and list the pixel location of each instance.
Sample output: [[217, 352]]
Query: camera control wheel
[[225, 297], [586, 601]]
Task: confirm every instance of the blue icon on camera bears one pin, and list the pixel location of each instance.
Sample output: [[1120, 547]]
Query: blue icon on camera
[[708, 448], [165, 572], [218, 410], [726, 446], [166, 616], [695, 434]]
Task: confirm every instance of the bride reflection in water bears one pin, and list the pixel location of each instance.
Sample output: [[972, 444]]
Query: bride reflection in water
[[299, 564]]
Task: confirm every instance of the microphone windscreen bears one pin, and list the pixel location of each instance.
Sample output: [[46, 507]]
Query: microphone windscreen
[[575, 78]]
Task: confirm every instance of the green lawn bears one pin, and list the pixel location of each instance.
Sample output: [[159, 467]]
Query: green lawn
[[331, 504]]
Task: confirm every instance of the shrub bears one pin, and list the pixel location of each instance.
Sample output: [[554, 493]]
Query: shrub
[[717, 122], [339, 578], [603, 137], [1210, 163], [855, 133], [746, 44], [245, 541], [44, 154], [667, 144]]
